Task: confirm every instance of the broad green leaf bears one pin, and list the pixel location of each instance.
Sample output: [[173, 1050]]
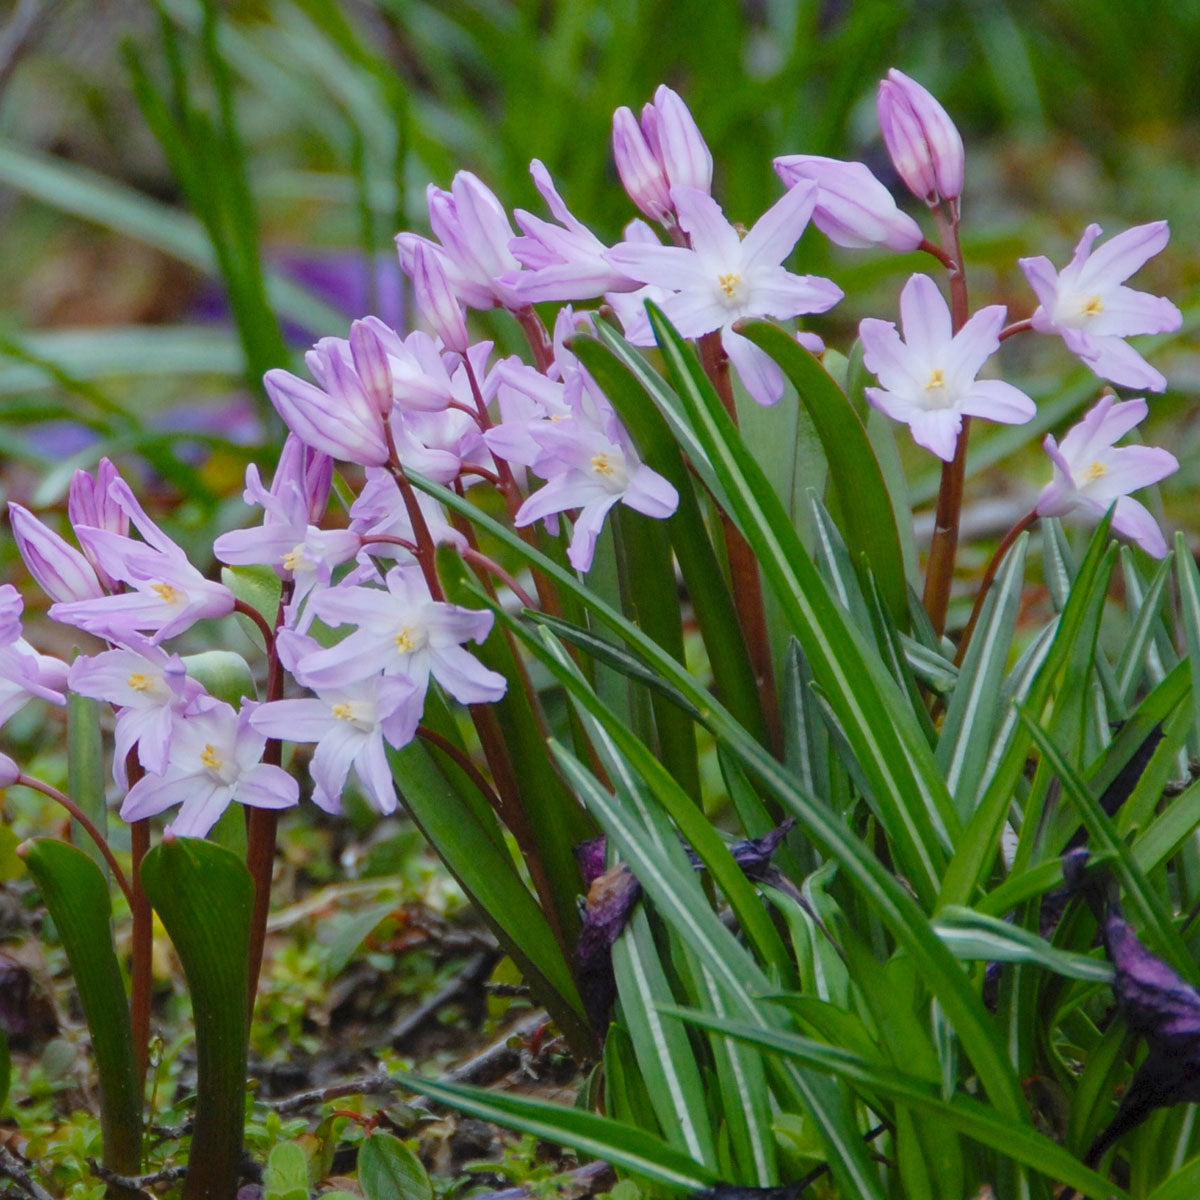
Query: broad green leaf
[[664, 1053], [286, 1174], [203, 894], [1183, 1184], [389, 1170], [889, 899], [970, 722], [973, 935], [621, 1145], [873, 715], [864, 504], [77, 897], [86, 776], [1017, 1141]]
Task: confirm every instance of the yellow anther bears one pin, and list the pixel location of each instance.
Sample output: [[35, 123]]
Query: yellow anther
[[602, 464], [1092, 306], [937, 379], [728, 282], [210, 758], [140, 682], [406, 641], [291, 560], [1096, 471], [345, 712], [167, 593]]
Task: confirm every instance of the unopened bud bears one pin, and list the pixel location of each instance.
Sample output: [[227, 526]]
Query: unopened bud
[[922, 141], [640, 171], [371, 366], [436, 299]]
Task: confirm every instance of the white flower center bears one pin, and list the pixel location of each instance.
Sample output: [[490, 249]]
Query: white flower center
[[295, 559], [411, 638], [353, 713], [936, 393], [731, 289], [222, 769]]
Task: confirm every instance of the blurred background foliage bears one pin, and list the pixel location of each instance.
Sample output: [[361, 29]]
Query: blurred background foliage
[[146, 157]]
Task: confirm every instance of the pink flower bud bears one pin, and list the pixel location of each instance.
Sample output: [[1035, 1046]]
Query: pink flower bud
[[675, 138], [371, 366], [88, 501], [924, 146], [436, 300], [853, 208], [640, 171], [61, 570]]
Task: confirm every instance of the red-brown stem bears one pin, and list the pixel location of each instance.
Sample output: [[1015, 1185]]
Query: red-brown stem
[[985, 583], [463, 762], [938, 253], [248, 610], [1016, 327], [943, 548], [262, 823], [535, 332], [142, 938], [745, 583], [40, 785], [479, 559]]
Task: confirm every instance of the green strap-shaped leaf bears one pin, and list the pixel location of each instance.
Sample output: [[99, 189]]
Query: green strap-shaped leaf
[[664, 1052], [621, 1145], [85, 772], [888, 898], [1159, 926], [713, 606], [203, 894], [867, 520], [874, 716], [1021, 1143], [76, 895], [967, 731]]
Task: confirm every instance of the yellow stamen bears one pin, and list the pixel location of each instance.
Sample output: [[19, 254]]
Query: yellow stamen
[[1093, 306], [345, 712], [406, 641], [937, 379], [210, 758], [140, 682], [1096, 471], [602, 464], [167, 593], [291, 560], [728, 282]]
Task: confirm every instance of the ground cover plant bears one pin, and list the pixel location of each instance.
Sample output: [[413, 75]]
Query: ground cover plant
[[824, 871]]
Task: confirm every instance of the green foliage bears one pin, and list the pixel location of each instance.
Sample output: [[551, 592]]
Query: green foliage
[[203, 894], [75, 893], [389, 1170]]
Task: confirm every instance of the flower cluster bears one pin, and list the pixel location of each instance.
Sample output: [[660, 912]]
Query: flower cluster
[[363, 627]]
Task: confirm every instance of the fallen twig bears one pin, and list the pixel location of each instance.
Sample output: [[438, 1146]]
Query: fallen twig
[[12, 1168]]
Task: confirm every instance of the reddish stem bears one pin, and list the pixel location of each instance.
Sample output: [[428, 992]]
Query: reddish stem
[[40, 785], [746, 585], [1016, 327], [989, 575], [463, 762], [262, 823], [142, 938], [248, 610], [535, 332], [943, 548]]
